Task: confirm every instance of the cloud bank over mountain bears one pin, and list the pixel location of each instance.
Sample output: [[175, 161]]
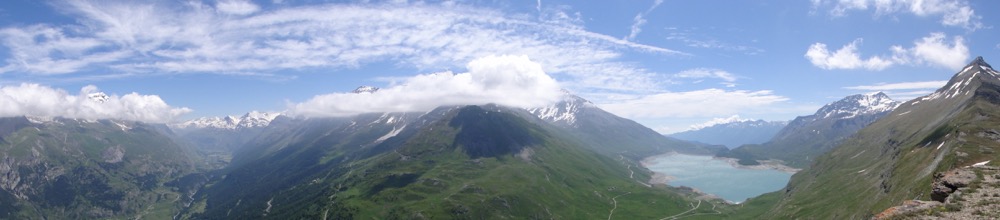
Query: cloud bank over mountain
[[43, 101], [505, 80]]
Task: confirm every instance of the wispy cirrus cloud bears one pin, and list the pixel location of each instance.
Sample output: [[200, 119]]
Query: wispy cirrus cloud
[[933, 50], [728, 79], [691, 38], [956, 13], [638, 21], [902, 91], [697, 103], [238, 37]]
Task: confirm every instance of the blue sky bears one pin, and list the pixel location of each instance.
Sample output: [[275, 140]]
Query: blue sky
[[666, 64]]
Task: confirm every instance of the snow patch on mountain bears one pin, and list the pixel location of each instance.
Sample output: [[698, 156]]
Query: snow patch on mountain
[[395, 131], [251, 119]]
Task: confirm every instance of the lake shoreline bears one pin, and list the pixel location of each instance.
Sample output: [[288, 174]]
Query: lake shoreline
[[679, 174], [764, 164]]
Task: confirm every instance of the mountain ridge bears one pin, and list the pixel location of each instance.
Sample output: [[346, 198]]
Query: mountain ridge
[[806, 137]]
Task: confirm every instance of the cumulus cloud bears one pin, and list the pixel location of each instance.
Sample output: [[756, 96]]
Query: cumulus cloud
[[844, 58], [192, 37], [44, 101], [933, 50], [698, 103], [506, 80], [953, 12]]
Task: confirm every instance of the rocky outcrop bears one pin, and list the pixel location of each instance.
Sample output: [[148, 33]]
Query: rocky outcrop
[[947, 183], [113, 154], [910, 206]]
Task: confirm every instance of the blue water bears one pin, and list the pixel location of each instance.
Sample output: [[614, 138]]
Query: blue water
[[717, 177]]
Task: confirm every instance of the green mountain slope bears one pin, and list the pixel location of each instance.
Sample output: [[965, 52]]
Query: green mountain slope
[[896, 158], [471, 162], [72, 169]]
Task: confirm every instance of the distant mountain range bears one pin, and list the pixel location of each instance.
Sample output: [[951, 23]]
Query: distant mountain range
[[251, 119], [733, 134], [806, 137]]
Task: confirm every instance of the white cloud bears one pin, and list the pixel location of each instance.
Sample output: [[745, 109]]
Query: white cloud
[[698, 103], [844, 58], [141, 37], [953, 12], [932, 50], [718, 121], [43, 101], [506, 80], [236, 7]]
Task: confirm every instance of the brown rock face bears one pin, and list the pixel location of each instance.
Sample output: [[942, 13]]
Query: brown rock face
[[946, 183]]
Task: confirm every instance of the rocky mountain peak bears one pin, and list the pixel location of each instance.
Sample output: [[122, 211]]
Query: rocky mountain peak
[[980, 62], [564, 111], [365, 89]]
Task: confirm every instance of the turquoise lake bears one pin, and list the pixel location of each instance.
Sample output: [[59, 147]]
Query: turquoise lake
[[718, 177]]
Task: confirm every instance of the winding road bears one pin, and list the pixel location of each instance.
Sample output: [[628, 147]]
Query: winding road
[[614, 200]]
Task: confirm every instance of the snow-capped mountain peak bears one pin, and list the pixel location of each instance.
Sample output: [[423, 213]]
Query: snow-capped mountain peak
[[365, 89], [98, 97], [251, 119], [860, 104], [718, 121], [564, 111]]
